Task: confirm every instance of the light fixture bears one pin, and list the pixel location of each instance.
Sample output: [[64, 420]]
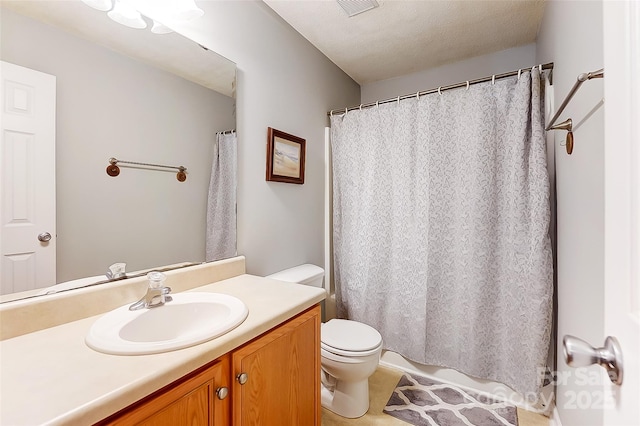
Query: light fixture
[[168, 10], [102, 5], [123, 13], [159, 28], [185, 10], [161, 12]]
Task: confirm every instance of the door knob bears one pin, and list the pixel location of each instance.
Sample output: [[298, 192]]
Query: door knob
[[242, 378], [44, 237], [222, 392], [578, 353]]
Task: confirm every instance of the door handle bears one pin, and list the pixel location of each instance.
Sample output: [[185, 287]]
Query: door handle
[[578, 353], [45, 237]]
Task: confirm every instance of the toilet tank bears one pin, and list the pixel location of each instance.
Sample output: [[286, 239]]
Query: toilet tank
[[306, 274]]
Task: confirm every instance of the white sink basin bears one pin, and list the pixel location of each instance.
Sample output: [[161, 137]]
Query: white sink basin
[[189, 319]]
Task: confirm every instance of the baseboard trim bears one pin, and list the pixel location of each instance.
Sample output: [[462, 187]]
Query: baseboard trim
[[554, 419]]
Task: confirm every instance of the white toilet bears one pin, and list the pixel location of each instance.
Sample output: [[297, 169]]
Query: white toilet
[[349, 351]]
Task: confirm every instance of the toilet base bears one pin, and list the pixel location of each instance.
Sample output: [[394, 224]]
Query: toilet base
[[347, 399]]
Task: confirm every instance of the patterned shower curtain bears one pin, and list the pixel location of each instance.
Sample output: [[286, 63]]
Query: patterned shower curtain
[[441, 228], [220, 239]]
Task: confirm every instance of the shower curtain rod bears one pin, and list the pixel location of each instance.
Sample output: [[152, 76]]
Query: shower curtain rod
[[548, 66]]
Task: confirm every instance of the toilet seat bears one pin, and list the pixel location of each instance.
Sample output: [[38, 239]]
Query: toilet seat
[[341, 352], [349, 338]]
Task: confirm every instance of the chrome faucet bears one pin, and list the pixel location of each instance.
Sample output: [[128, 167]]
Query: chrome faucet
[[157, 294], [116, 271]]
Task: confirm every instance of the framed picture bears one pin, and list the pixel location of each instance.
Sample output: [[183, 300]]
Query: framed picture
[[285, 157]]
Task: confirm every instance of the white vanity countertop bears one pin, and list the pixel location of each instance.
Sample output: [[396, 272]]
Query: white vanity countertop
[[52, 377]]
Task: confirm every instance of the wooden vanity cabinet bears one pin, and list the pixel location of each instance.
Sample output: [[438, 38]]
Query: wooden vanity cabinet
[[191, 400], [282, 369], [274, 380]]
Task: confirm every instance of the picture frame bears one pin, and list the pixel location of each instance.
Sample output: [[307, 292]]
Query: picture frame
[[285, 157]]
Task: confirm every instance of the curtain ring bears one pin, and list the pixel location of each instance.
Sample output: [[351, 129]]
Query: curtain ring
[[439, 91], [360, 107], [467, 84], [519, 72], [346, 110], [377, 104], [540, 68], [331, 113], [398, 100], [418, 95], [493, 79]]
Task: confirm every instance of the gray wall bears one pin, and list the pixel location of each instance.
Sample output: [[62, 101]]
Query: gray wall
[[109, 105], [284, 83], [571, 37], [469, 69]]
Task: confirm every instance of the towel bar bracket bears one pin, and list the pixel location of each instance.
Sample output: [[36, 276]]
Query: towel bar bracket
[[113, 170]]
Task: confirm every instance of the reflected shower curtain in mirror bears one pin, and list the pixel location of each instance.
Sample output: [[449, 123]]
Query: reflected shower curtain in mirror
[[441, 228], [221, 204]]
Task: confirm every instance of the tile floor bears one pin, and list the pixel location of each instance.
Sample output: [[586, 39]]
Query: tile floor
[[381, 384]]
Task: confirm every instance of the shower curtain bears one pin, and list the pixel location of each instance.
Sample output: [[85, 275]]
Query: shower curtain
[[220, 239], [441, 228]]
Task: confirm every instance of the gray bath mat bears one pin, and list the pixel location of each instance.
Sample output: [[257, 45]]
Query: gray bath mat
[[423, 402]]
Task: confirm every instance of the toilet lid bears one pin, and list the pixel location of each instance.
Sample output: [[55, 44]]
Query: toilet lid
[[351, 336]]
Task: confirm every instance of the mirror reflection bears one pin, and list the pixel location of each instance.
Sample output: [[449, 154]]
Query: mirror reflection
[[165, 101]]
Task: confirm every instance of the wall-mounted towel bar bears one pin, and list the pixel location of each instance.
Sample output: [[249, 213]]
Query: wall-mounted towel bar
[[568, 123], [581, 79], [113, 170]]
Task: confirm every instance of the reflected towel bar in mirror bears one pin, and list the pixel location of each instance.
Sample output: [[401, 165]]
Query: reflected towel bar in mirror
[[113, 170]]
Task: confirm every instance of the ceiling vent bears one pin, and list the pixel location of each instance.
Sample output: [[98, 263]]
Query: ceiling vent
[[355, 7]]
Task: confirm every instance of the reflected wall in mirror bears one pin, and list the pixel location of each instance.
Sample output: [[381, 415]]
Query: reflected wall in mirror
[[110, 104]]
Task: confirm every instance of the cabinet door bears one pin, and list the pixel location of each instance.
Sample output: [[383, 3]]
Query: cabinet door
[[189, 401], [282, 386]]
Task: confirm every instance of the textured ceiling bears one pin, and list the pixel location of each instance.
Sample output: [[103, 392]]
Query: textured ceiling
[[405, 36], [170, 52]]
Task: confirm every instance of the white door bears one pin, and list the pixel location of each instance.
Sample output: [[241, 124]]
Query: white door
[[27, 179], [622, 204]]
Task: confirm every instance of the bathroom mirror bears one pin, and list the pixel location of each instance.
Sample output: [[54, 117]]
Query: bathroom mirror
[[135, 96]]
